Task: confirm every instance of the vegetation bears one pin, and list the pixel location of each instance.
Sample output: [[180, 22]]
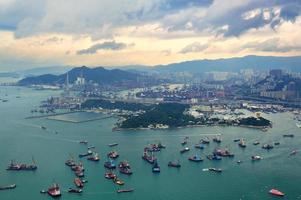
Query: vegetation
[[170, 114]]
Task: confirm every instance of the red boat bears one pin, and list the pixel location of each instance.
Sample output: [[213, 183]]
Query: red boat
[[276, 192], [78, 182], [54, 191]]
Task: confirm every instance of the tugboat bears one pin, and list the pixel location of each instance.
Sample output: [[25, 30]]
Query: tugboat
[[175, 164], [242, 143], [195, 158], [276, 192], [89, 153], [78, 183], [113, 155], [54, 191], [256, 158], [75, 190], [118, 181], [215, 170], [149, 158], [110, 175], [125, 190], [8, 187], [156, 167], [94, 157], [199, 146], [125, 168], [256, 143], [110, 164], [184, 150], [214, 157], [267, 146]]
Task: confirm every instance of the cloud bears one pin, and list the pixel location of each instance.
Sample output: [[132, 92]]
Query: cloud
[[110, 45], [271, 45], [194, 47]]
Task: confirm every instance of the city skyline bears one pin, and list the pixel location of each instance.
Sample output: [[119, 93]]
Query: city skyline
[[140, 32]]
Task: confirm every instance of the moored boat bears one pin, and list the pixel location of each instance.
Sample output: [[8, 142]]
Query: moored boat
[[75, 190], [175, 164], [8, 187], [110, 164], [199, 146], [156, 167], [110, 175], [214, 157], [288, 135], [256, 143], [267, 146], [125, 168], [89, 153], [118, 181], [195, 158], [255, 158], [218, 170], [242, 143], [125, 190], [149, 158], [112, 144], [113, 154], [223, 153], [54, 190], [94, 157], [184, 150], [78, 182]]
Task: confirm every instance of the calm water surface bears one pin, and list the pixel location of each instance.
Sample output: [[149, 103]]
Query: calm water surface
[[23, 138]]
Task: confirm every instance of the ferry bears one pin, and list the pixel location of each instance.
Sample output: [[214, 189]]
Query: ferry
[[276, 192], [78, 182], [110, 175], [184, 150], [125, 190], [94, 157], [175, 164], [75, 190], [195, 158], [54, 190], [110, 164], [113, 155], [125, 168], [156, 167], [8, 187], [89, 153], [149, 158]]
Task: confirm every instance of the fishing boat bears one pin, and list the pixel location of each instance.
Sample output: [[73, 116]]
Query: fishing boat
[[83, 142], [214, 157], [267, 146], [75, 190], [8, 187], [54, 190], [113, 155], [175, 164], [184, 150], [199, 146], [256, 143], [276, 192], [110, 175], [195, 158], [149, 158], [94, 157], [205, 141], [288, 135], [256, 158], [89, 153], [294, 152], [156, 167], [242, 143], [218, 170], [110, 164], [78, 182], [223, 153], [118, 181], [125, 190], [125, 168], [217, 139], [112, 144]]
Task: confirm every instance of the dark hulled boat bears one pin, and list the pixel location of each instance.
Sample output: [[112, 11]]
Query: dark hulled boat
[[125, 190], [195, 158], [149, 158], [113, 155], [8, 187], [125, 168], [156, 167], [110, 164], [175, 164]]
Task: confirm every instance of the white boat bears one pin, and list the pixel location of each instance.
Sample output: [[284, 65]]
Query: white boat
[[298, 125]]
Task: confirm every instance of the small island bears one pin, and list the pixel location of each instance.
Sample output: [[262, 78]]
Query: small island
[[168, 115]]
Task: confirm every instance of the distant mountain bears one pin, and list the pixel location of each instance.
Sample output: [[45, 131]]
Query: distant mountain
[[234, 64], [98, 75], [56, 70]]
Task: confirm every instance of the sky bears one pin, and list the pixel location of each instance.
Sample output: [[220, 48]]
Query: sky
[[37, 33]]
